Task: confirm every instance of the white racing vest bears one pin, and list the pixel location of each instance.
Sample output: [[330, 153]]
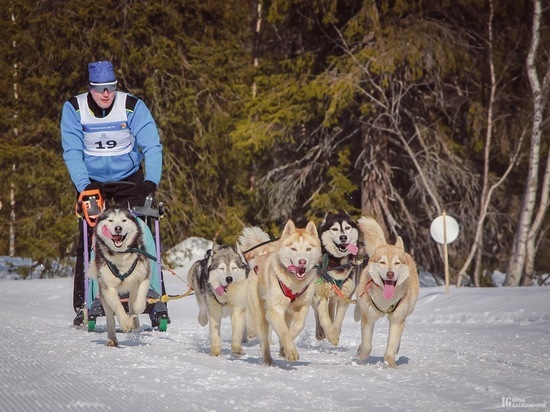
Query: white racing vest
[[107, 136]]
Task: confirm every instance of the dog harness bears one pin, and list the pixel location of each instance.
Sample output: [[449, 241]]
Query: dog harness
[[392, 307], [288, 292], [335, 284], [116, 272]]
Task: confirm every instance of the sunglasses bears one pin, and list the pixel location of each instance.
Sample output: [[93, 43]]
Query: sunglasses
[[100, 88]]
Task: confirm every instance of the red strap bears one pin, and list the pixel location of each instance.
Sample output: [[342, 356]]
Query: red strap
[[288, 292], [367, 287]]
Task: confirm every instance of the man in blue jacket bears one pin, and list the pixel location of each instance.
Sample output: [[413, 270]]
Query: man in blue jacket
[[108, 136]]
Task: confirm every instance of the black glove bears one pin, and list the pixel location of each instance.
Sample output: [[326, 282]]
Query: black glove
[[96, 186], [146, 188]]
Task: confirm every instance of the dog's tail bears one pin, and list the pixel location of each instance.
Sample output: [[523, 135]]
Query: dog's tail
[[371, 234], [253, 242]]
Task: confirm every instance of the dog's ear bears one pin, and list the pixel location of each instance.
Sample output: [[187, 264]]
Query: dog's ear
[[399, 243], [208, 257], [289, 229], [238, 251], [343, 212], [311, 229], [215, 248]]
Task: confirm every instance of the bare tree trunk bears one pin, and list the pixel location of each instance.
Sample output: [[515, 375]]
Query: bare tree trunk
[[519, 252], [487, 152], [11, 250], [534, 233], [375, 184], [257, 42]]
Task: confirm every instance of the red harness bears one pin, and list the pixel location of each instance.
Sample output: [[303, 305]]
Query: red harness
[[288, 292]]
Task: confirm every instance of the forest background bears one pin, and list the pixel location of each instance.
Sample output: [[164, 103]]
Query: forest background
[[279, 109]]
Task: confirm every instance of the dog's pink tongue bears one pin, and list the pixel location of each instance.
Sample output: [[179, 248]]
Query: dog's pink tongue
[[353, 249], [389, 289], [220, 290], [106, 232]]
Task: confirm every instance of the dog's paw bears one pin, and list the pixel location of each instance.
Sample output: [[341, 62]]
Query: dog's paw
[[127, 323], [334, 339], [390, 361], [111, 343], [237, 350], [290, 354], [320, 334], [215, 352], [267, 360], [363, 354]]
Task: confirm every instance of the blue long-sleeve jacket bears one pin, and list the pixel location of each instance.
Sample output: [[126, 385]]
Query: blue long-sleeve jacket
[[83, 167]]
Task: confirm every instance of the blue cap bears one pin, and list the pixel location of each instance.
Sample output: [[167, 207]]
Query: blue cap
[[101, 72]]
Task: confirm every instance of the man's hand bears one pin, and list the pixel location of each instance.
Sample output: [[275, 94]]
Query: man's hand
[[96, 186], [146, 188]]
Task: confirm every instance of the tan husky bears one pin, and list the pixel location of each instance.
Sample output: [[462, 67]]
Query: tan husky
[[388, 285], [280, 289]]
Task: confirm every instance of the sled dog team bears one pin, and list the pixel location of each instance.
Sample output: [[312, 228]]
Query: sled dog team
[[267, 285]]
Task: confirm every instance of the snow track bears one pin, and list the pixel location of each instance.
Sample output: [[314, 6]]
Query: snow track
[[464, 351]]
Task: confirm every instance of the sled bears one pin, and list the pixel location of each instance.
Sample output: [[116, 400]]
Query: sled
[[89, 206]]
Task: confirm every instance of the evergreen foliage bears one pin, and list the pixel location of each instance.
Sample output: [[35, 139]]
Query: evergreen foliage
[[358, 103]]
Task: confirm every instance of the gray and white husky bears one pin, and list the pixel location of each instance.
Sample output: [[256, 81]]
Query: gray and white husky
[[337, 274], [220, 282], [120, 268]]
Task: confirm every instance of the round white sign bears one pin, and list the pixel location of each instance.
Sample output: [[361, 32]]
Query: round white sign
[[436, 229]]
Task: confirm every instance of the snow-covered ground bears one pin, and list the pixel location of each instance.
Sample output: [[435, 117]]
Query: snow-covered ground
[[468, 350]]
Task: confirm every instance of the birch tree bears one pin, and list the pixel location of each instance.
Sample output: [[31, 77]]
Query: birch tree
[[532, 213]]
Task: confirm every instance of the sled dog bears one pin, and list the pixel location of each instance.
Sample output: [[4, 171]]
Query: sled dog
[[280, 289], [220, 284], [120, 268], [337, 272], [388, 285]]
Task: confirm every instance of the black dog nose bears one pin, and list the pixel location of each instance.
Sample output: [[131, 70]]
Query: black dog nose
[[118, 229], [229, 279], [343, 238]]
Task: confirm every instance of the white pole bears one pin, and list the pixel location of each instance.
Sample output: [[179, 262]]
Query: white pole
[[445, 253]]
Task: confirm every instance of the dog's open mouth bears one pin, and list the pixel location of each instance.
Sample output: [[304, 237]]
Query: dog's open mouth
[[118, 240], [342, 247], [389, 288], [299, 271], [220, 290], [347, 248]]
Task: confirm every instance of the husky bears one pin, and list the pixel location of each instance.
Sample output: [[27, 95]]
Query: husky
[[280, 289], [220, 284], [339, 236], [120, 267], [388, 285]]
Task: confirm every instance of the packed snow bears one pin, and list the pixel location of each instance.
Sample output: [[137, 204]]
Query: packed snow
[[467, 350]]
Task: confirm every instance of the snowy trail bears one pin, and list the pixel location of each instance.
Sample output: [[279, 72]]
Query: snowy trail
[[464, 351]]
